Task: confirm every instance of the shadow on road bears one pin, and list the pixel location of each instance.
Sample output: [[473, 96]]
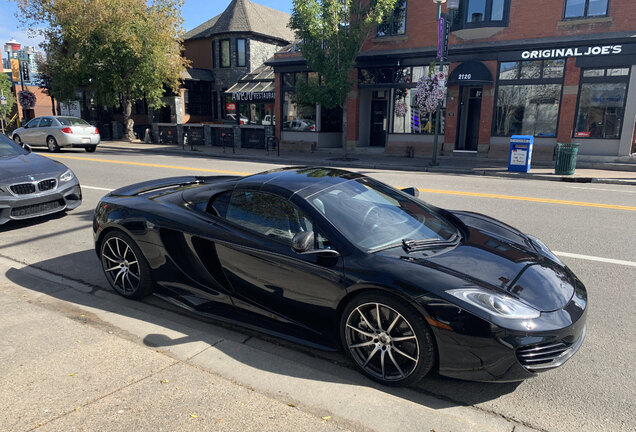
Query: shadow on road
[[195, 328]]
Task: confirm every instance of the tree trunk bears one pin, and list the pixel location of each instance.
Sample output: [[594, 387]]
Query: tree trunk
[[344, 128], [129, 134]]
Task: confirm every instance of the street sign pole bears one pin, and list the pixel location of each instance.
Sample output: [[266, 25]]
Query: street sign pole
[[442, 52], [3, 104]]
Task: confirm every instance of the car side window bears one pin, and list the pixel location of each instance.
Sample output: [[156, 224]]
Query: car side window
[[267, 214], [32, 124], [46, 122]]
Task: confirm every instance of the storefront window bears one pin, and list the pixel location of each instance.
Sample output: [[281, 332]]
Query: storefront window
[[396, 23], [601, 104], [528, 98], [527, 110], [407, 117], [198, 97], [298, 118]]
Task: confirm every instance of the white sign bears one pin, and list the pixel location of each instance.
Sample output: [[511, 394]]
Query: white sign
[[572, 52], [518, 157], [70, 108]]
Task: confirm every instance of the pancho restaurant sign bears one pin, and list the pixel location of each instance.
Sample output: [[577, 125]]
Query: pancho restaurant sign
[[572, 52], [253, 96]]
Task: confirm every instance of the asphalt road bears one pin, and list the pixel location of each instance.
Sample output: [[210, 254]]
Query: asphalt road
[[591, 227]]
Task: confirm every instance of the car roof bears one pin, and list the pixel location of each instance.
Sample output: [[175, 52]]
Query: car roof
[[304, 181]]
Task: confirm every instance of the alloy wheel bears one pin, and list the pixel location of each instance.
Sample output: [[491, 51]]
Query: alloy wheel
[[52, 144], [382, 342], [121, 266]]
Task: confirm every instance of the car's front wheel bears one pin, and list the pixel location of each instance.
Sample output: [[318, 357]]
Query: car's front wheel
[[387, 339], [51, 143], [125, 266], [17, 140]]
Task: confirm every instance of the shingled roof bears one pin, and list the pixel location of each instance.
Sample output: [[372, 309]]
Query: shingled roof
[[245, 17]]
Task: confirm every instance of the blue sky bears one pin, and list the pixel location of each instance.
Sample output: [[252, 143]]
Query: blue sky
[[194, 12]]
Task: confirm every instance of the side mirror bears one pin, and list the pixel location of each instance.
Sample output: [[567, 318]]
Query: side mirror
[[414, 192], [303, 244]]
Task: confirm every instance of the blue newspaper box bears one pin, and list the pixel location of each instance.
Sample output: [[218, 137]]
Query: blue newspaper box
[[520, 153]]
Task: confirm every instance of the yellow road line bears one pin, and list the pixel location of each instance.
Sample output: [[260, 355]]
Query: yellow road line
[[437, 191], [149, 165], [531, 199]]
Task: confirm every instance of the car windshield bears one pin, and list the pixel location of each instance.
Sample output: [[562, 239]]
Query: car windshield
[[72, 121], [9, 149], [374, 216]]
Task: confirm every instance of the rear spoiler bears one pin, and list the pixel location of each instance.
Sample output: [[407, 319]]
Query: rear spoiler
[[152, 185]]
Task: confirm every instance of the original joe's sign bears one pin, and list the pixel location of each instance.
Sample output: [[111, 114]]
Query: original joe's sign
[[572, 52], [252, 96]]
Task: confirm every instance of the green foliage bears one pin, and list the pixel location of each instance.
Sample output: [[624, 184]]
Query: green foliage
[[331, 34], [119, 50], [5, 85]]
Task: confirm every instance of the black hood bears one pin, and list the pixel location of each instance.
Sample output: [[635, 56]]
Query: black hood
[[14, 168], [497, 256]]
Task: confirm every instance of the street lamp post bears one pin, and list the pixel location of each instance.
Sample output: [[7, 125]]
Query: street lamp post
[[442, 48]]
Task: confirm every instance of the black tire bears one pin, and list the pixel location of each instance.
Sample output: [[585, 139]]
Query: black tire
[[17, 140], [51, 143], [373, 344], [90, 149], [125, 266]]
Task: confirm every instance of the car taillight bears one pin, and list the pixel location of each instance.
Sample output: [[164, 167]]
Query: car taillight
[[312, 128], [96, 131], [67, 130]]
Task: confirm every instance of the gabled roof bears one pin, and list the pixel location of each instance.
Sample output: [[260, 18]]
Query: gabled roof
[[245, 17]]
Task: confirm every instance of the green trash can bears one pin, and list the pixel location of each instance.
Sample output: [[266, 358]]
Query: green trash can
[[566, 158]]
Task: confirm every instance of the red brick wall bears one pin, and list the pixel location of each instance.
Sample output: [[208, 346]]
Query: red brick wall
[[568, 101], [42, 104]]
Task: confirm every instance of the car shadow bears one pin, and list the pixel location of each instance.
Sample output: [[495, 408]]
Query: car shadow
[[93, 291], [85, 215]]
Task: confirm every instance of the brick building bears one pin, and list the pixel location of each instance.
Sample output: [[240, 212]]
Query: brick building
[[562, 71], [223, 50]]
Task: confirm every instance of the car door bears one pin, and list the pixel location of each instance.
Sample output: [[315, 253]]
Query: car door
[[270, 279], [43, 131], [29, 132]]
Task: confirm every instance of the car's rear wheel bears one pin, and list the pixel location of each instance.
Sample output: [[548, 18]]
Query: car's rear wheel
[[387, 339], [90, 149], [51, 143], [125, 266]]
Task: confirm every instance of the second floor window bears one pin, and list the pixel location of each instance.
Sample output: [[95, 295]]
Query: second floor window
[[225, 53], [395, 24], [241, 56], [585, 8], [482, 13]]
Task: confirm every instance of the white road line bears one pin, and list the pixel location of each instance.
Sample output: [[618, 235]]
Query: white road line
[[601, 189], [96, 188], [593, 258]]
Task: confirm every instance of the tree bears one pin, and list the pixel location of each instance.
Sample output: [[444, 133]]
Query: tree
[[120, 51], [331, 34], [7, 90]]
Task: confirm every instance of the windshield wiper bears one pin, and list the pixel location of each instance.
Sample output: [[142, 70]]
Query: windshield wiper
[[413, 245]]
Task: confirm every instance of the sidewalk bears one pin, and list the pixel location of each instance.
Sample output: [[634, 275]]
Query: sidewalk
[[79, 357], [589, 169]]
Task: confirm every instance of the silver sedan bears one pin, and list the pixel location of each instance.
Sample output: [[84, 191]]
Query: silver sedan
[[56, 132]]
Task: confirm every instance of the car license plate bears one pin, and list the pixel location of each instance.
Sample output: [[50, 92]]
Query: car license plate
[[86, 140]]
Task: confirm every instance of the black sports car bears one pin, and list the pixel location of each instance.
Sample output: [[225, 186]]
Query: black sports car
[[328, 257], [32, 185]]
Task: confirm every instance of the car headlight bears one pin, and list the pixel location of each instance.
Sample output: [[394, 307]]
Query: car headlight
[[496, 304], [543, 249], [67, 176]]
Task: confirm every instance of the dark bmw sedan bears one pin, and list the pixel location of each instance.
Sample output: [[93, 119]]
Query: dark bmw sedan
[[32, 185], [335, 259]]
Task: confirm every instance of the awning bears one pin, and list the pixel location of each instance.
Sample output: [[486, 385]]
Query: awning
[[470, 73], [256, 86]]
